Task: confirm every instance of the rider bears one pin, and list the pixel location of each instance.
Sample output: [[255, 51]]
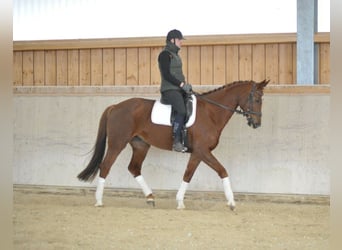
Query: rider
[[173, 86]]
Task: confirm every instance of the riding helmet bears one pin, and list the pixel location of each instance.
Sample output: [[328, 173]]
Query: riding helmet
[[174, 34]]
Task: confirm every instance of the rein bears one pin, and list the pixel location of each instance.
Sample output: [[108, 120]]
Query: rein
[[238, 111]]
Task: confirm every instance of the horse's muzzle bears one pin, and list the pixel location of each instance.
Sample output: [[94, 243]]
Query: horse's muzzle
[[252, 123]]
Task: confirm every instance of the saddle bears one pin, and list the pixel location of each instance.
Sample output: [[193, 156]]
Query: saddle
[[163, 114]]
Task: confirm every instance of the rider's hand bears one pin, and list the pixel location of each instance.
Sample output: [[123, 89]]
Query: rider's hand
[[187, 88]]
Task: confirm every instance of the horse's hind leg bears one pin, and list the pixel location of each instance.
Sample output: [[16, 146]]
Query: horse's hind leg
[[112, 152], [140, 149]]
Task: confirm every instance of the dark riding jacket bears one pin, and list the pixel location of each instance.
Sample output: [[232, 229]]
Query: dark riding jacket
[[170, 66]]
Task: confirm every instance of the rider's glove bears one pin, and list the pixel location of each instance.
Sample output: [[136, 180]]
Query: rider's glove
[[187, 88]]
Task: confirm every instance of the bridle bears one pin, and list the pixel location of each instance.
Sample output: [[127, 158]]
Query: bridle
[[246, 113]]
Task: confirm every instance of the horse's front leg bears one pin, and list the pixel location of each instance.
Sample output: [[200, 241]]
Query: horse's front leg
[[212, 162], [189, 172]]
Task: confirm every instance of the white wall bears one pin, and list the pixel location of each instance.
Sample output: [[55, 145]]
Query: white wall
[[288, 154]]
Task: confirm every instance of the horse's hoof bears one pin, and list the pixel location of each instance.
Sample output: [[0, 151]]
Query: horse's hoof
[[231, 205], [151, 202], [180, 206], [98, 204]]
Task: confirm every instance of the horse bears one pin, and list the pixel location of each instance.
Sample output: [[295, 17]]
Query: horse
[[129, 122]]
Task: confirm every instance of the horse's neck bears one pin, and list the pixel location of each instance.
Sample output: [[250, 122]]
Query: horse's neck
[[228, 96], [228, 99]]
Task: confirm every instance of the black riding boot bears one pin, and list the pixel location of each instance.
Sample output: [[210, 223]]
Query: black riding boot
[[177, 134]]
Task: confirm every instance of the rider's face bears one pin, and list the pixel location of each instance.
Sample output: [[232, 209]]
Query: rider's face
[[178, 42]]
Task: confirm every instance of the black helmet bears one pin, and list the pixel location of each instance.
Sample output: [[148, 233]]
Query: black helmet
[[174, 34]]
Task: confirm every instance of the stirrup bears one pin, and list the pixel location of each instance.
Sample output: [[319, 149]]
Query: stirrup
[[178, 147]]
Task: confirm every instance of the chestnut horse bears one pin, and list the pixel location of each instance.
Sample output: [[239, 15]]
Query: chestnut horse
[[130, 122]]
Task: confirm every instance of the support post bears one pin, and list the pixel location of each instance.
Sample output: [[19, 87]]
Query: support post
[[306, 50]]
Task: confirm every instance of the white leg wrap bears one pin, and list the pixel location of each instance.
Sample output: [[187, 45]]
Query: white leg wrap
[[146, 190], [228, 191], [181, 191], [99, 192], [180, 194]]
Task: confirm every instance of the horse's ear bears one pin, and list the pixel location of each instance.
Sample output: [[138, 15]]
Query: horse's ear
[[263, 84]]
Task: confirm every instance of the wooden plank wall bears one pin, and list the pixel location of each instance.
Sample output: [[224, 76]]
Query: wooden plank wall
[[207, 60]]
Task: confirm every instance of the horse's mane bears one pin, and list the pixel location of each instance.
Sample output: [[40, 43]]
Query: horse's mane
[[227, 85]]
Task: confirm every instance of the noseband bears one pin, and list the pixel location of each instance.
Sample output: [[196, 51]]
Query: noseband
[[246, 113]]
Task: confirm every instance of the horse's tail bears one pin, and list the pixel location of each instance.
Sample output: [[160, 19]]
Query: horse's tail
[[89, 173]]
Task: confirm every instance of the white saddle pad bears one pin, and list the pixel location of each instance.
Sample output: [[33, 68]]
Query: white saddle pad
[[161, 113]]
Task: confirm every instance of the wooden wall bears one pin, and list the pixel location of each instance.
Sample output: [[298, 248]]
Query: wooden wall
[[208, 60]]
